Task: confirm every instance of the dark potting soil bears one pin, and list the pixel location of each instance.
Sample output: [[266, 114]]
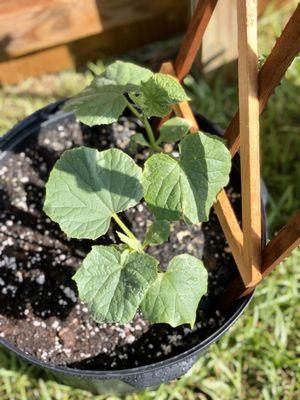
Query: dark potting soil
[[40, 312]]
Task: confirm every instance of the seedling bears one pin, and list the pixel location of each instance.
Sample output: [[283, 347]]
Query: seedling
[[88, 188]]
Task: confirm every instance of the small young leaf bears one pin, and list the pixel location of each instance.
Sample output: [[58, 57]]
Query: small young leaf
[[134, 244], [113, 284], [86, 187], [158, 94], [157, 233], [137, 138], [103, 101], [174, 129], [190, 184], [174, 296], [128, 75]]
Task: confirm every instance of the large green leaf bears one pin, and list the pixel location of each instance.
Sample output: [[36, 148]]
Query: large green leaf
[[186, 188], [158, 94], [86, 187], [174, 296], [174, 129], [113, 284], [103, 101]]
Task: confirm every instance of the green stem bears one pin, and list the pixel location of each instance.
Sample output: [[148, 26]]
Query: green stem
[[147, 125], [134, 110], [151, 135], [124, 228]]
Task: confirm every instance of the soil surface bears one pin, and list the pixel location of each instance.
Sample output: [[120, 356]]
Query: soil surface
[[40, 312]]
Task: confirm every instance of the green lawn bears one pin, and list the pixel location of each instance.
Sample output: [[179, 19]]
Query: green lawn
[[258, 358]]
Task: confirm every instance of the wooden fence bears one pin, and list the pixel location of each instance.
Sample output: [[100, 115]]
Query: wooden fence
[[38, 36]]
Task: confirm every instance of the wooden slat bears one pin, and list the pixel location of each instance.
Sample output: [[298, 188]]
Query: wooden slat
[[232, 231], [277, 250], [49, 61], [286, 48], [182, 109], [27, 26], [193, 37], [109, 43], [281, 245], [249, 132], [275, 5], [223, 208], [282, 55]]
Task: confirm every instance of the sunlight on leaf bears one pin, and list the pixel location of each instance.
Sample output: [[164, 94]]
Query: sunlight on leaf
[[174, 129], [113, 283], [174, 296], [191, 183], [86, 187]]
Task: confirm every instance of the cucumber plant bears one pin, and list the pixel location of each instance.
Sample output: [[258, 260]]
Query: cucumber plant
[[88, 188]]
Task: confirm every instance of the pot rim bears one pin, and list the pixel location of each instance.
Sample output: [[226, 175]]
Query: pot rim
[[38, 117]]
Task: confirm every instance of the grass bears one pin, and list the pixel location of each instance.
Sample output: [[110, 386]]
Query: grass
[[258, 358]]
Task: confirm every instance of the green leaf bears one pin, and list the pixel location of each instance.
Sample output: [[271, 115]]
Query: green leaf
[[174, 129], [86, 187], [157, 233], [97, 104], [127, 75], [132, 243], [174, 296], [137, 138], [158, 94], [113, 283], [103, 101], [186, 188]]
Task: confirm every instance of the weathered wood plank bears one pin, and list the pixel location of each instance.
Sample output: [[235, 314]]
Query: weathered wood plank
[[193, 37], [107, 43], [30, 25], [49, 60], [285, 50], [249, 132]]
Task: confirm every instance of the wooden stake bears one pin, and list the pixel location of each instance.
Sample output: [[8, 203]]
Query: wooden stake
[[285, 50], [193, 37], [249, 132]]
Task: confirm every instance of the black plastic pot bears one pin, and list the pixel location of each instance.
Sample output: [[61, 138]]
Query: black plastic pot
[[117, 381]]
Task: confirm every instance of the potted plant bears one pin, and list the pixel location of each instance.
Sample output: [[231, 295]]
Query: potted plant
[[131, 206]]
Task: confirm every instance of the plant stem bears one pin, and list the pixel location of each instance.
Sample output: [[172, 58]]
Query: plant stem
[[147, 125], [151, 135], [134, 110], [124, 228]]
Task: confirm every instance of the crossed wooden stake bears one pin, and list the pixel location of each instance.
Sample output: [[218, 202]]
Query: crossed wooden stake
[[255, 88]]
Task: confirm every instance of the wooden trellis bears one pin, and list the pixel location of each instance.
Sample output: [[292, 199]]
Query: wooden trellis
[[255, 88]]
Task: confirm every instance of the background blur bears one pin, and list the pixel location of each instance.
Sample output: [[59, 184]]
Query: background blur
[[259, 357]]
